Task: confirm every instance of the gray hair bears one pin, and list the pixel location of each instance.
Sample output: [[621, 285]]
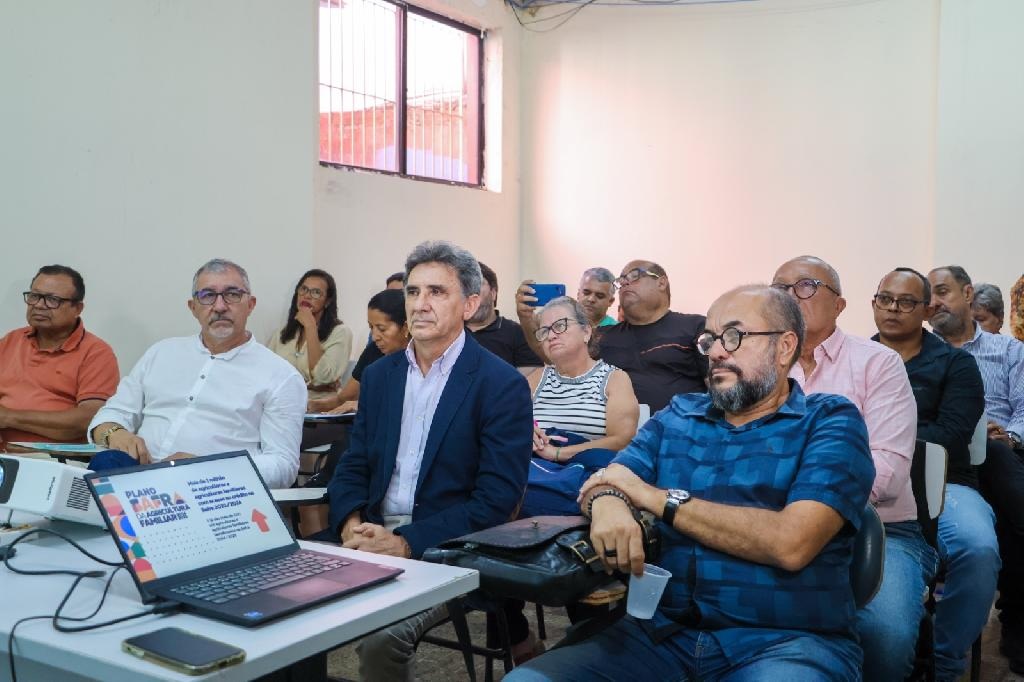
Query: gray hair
[[457, 258], [603, 275], [566, 302], [220, 265], [578, 316], [989, 297]]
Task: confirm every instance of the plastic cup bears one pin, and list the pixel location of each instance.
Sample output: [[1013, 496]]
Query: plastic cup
[[645, 591]]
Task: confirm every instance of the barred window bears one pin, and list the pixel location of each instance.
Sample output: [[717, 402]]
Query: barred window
[[400, 91]]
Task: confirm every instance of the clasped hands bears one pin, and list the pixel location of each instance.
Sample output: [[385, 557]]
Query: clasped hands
[[614, 532], [374, 538]]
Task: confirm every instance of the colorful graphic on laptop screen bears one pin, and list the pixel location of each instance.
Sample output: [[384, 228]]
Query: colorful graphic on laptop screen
[[178, 519]]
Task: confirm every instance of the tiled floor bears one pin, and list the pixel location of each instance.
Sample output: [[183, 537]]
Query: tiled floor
[[442, 665]]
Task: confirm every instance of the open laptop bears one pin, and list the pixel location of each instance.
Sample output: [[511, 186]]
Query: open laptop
[[205, 532]]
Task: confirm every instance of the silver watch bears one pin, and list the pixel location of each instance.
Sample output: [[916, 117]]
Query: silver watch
[[673, 499]]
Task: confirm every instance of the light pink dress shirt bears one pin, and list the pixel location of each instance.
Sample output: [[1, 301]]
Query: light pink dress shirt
[[874, 379]]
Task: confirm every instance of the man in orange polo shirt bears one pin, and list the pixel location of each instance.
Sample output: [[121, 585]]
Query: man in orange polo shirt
[[54, 375]]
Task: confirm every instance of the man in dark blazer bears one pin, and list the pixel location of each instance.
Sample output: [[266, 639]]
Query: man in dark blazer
[[441, 442]]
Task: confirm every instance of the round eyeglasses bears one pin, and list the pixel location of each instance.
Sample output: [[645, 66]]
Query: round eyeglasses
[[50, 301], [886, 302], [804, 288], [731, 339], [312, 292], [558, 327], [209, 296]]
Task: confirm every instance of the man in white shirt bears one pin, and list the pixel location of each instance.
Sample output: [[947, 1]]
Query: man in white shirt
[[215, 392]]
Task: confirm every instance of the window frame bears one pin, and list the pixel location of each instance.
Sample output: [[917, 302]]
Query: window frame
[[401, 111]]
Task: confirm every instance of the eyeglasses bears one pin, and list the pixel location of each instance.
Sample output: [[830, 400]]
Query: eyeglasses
[[632, 276], [50, 301], [313, 293], [558, 327], [731, 338], [209, 296], [804, 288], [904, 305]]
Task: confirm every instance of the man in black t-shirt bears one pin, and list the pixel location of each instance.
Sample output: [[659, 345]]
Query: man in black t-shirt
[[498, 334], [654, 345]]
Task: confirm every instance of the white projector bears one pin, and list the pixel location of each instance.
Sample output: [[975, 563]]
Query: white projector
[[50, 489]]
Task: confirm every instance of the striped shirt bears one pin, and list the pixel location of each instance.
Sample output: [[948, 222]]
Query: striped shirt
[[1001, 361], [574, 404]]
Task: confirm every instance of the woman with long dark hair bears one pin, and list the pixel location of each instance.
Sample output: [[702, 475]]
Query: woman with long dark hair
[[389, 333], [314, 340]]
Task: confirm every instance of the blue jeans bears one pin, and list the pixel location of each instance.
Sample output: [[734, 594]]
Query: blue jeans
[[625, 652], [970, 553], [888, 625], [112, 459]]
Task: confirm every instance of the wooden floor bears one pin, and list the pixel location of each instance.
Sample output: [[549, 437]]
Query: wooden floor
[[434, 664]]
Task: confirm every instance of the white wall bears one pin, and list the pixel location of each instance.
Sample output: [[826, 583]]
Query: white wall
[[980, 216], [722, 140], [142, 137], [366, 223]]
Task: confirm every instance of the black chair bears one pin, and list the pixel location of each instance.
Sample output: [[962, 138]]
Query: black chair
[[868, 563]]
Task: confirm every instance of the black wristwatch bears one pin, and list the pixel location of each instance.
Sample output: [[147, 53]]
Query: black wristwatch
[[1014, 440], [673, 498]]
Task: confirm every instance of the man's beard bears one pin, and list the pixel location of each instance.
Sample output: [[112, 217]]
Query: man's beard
[[948, 324], [745, 392], [482, 313]]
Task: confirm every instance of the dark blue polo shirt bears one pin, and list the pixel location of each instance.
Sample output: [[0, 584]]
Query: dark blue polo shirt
[[814, 448]]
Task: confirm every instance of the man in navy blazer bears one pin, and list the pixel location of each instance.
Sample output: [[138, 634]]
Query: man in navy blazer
[[441, 442]]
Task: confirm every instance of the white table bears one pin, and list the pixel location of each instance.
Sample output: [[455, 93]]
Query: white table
[[42, 653]]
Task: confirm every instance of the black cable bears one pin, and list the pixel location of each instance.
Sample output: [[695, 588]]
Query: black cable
[[83, 550], [79, 576], [568, 14]]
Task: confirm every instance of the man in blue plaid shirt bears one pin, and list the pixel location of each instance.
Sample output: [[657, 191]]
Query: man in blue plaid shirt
[[760, 491]]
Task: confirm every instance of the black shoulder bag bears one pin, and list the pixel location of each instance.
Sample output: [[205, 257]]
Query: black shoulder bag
[[544, 559]]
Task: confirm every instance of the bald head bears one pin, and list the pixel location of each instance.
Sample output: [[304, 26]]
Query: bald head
[[757, 307], [821, 269], [815, 286]]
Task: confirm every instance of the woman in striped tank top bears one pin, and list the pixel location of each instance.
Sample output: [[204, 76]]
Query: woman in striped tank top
[[577, 393]]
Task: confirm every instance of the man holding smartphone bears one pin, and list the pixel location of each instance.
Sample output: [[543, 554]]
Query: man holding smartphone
[[500, 335]]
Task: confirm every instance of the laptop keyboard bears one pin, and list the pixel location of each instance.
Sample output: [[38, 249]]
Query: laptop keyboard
[[220, 589]]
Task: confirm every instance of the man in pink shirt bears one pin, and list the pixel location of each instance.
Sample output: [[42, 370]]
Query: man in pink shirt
[[873, 377]]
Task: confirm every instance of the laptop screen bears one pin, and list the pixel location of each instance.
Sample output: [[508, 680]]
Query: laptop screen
[[189, 514]]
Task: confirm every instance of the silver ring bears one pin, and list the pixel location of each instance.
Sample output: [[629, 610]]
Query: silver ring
[[600, 473]]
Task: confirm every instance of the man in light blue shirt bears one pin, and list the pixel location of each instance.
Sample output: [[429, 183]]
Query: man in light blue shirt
[[1001, 361]]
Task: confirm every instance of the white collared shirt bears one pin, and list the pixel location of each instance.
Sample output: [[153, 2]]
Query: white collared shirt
[[422, 394], [181, 398]]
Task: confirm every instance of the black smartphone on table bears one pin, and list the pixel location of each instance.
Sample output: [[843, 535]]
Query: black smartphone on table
[[183, 651]]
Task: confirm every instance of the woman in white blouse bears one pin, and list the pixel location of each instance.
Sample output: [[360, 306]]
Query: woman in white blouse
[[314, 340]]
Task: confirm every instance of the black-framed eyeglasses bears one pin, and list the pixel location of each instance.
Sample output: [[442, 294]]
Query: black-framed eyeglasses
[[50, 301], [209, 296], [558, 327], [312, 292], [632, 276], [904, 304], [731, 339], [804, 288]]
